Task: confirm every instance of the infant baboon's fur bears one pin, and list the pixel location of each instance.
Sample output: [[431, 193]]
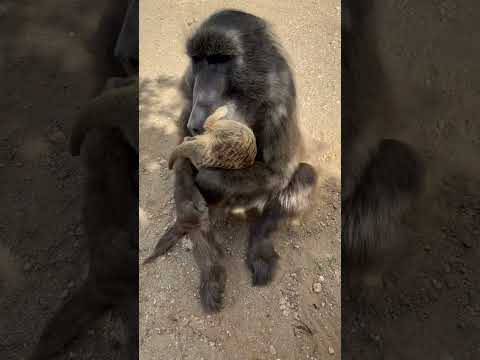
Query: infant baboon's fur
[[116, 107], [226, 144]]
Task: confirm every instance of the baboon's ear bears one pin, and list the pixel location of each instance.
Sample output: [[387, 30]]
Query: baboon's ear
[[221, 112]]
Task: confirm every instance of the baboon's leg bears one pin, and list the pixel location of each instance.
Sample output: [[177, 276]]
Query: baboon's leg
[[261, 255], [208, 257]]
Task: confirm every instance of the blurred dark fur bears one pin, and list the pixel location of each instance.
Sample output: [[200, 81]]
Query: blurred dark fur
[[381, 177], [111, 221]]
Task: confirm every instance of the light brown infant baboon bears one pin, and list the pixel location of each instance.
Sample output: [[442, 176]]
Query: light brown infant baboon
[[225, 144]]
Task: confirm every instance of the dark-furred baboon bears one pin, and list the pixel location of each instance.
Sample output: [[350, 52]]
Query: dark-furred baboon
[[234, 58], [110, 217]]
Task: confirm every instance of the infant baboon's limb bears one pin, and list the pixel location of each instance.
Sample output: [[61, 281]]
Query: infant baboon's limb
[[116, 107], [193, 149]]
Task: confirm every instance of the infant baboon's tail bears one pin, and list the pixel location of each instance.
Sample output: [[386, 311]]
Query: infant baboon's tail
[[73, 318], [115, 108], [296, 196], [166, 242]]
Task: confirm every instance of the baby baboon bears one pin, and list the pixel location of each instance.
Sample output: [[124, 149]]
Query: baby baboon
[[116, 107], [226, 144]]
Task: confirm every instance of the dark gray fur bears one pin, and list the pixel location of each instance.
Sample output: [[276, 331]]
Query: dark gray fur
[[381, 177], [110, 216], [250, 71]]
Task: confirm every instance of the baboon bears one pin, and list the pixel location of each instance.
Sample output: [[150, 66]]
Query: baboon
[[110, 217], [236, 59], [225, 144]]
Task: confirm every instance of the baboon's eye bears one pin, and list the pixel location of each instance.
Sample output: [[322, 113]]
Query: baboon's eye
[[218, 59]]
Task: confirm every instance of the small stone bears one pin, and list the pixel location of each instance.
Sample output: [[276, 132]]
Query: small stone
[[79, 231], [467, 243], [187, 244], [211, 343], [437, 284], [64, 294], [317, 288], [321, 278], [272, 350], [57, 137], [331, 350], [27, 266], [71, 284], [427, 248]]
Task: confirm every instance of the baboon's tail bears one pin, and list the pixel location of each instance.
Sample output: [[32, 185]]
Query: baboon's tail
[[390, 182], [70, 321], [115, 108], [166, 242], [296, 196]]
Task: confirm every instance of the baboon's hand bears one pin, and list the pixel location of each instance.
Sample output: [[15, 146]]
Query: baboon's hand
[[210, 183]]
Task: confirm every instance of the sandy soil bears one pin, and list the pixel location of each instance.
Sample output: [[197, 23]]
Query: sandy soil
[[285, 320], [52, 63], [430, 307]]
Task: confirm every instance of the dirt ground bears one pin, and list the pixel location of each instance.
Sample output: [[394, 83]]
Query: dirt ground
[[287, 319], [52, 63], [430, 306]]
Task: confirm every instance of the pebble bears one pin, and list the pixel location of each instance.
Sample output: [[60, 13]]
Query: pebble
[[317, 288], [57, 137], [64, 294], [187, 244], [321, 278], [331, 351], [437, 284], [272, 350], [27, 266], [467, 242]]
